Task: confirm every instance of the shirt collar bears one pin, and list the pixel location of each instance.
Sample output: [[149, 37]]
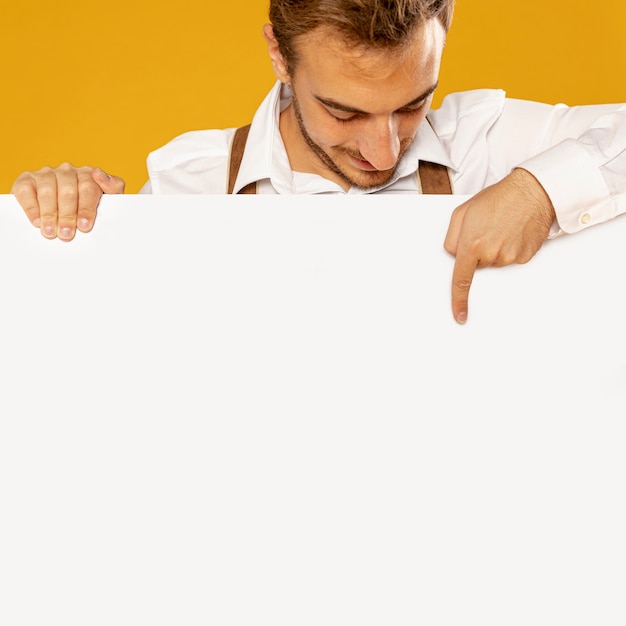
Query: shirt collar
[[265, 157], [264, 144]]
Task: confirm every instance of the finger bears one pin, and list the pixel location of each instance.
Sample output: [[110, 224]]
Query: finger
[[454, 229], [462, 277], [67, 192], [25, 191], [108, 183], [46, 188], [89, 194], [93, 182]]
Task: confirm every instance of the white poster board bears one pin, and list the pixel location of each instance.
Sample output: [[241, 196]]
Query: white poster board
[[246, 410]]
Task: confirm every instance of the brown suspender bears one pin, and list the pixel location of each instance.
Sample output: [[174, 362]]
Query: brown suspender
[[236, 154], [433, 177]]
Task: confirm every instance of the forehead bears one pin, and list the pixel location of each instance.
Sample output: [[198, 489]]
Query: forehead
[[330, 67]]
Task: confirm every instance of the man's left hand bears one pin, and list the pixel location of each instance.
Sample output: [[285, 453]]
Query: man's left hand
[[502, 224]]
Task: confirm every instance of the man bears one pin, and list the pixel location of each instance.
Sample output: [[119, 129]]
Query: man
[[350, 114]]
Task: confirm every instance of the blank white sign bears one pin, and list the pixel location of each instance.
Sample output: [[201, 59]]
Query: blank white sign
[[249, 410]]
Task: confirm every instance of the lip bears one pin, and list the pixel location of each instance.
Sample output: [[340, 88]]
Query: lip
[[366, 166]]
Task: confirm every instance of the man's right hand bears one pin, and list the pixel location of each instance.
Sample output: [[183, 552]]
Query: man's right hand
[[59, 201]]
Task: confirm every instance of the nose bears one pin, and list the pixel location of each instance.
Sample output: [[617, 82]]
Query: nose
[[381, 143]]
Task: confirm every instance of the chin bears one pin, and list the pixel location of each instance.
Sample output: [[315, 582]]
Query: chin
[[368, 180], [361, 178]]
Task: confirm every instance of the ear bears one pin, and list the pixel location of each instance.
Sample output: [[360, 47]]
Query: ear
[[278, 62]]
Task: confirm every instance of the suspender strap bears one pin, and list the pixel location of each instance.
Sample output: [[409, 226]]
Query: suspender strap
[[236, 154], [432, 177]]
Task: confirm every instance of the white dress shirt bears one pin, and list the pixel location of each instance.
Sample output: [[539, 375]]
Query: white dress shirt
[[577, 153]]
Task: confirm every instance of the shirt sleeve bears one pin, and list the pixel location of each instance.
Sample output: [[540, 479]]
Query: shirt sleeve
[[147, 188], [580, 161], [193, 163]]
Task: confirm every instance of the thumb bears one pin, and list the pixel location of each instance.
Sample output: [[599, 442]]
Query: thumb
[[106, 182]]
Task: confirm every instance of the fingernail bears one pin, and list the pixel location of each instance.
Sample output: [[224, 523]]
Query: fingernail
[[83, 223], [48, 231], [36, 222], [65, 232], [461, 318], [107, 176]]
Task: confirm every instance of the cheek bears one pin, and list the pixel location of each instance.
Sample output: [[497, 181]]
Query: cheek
[[409, 125], [323, 129], [327, 132]]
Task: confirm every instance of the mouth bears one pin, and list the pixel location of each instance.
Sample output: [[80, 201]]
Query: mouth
[[361, 164]]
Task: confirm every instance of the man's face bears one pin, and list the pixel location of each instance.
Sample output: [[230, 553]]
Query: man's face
[[355, 111]]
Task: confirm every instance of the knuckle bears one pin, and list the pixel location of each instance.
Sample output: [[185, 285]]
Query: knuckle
[[88, 188], [476, 247], [489, 256], [525, 256], [31, 211], [22, 185], [46, 191], [67, 191], [459, 211], [507, 258], [449, 247], [462, 284]]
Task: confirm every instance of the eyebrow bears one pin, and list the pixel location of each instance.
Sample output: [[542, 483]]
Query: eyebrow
[[332, 104]]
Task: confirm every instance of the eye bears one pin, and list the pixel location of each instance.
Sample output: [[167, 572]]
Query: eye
[[342, 116], [412, 110]]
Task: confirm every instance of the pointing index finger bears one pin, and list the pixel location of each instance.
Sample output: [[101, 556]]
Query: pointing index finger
[[462, 276]]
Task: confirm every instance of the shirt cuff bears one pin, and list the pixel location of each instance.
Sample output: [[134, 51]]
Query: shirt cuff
[[575, 185]]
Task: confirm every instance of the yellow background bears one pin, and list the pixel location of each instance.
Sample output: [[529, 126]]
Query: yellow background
[[105, 83]]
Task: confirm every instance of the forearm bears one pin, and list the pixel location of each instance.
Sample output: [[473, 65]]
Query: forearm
[[585, 177]]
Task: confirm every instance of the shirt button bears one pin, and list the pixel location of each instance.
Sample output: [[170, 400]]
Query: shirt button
[[585, 218]]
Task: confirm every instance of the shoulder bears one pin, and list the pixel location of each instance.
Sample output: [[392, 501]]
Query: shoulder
[[477, 109], [194, 162]]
